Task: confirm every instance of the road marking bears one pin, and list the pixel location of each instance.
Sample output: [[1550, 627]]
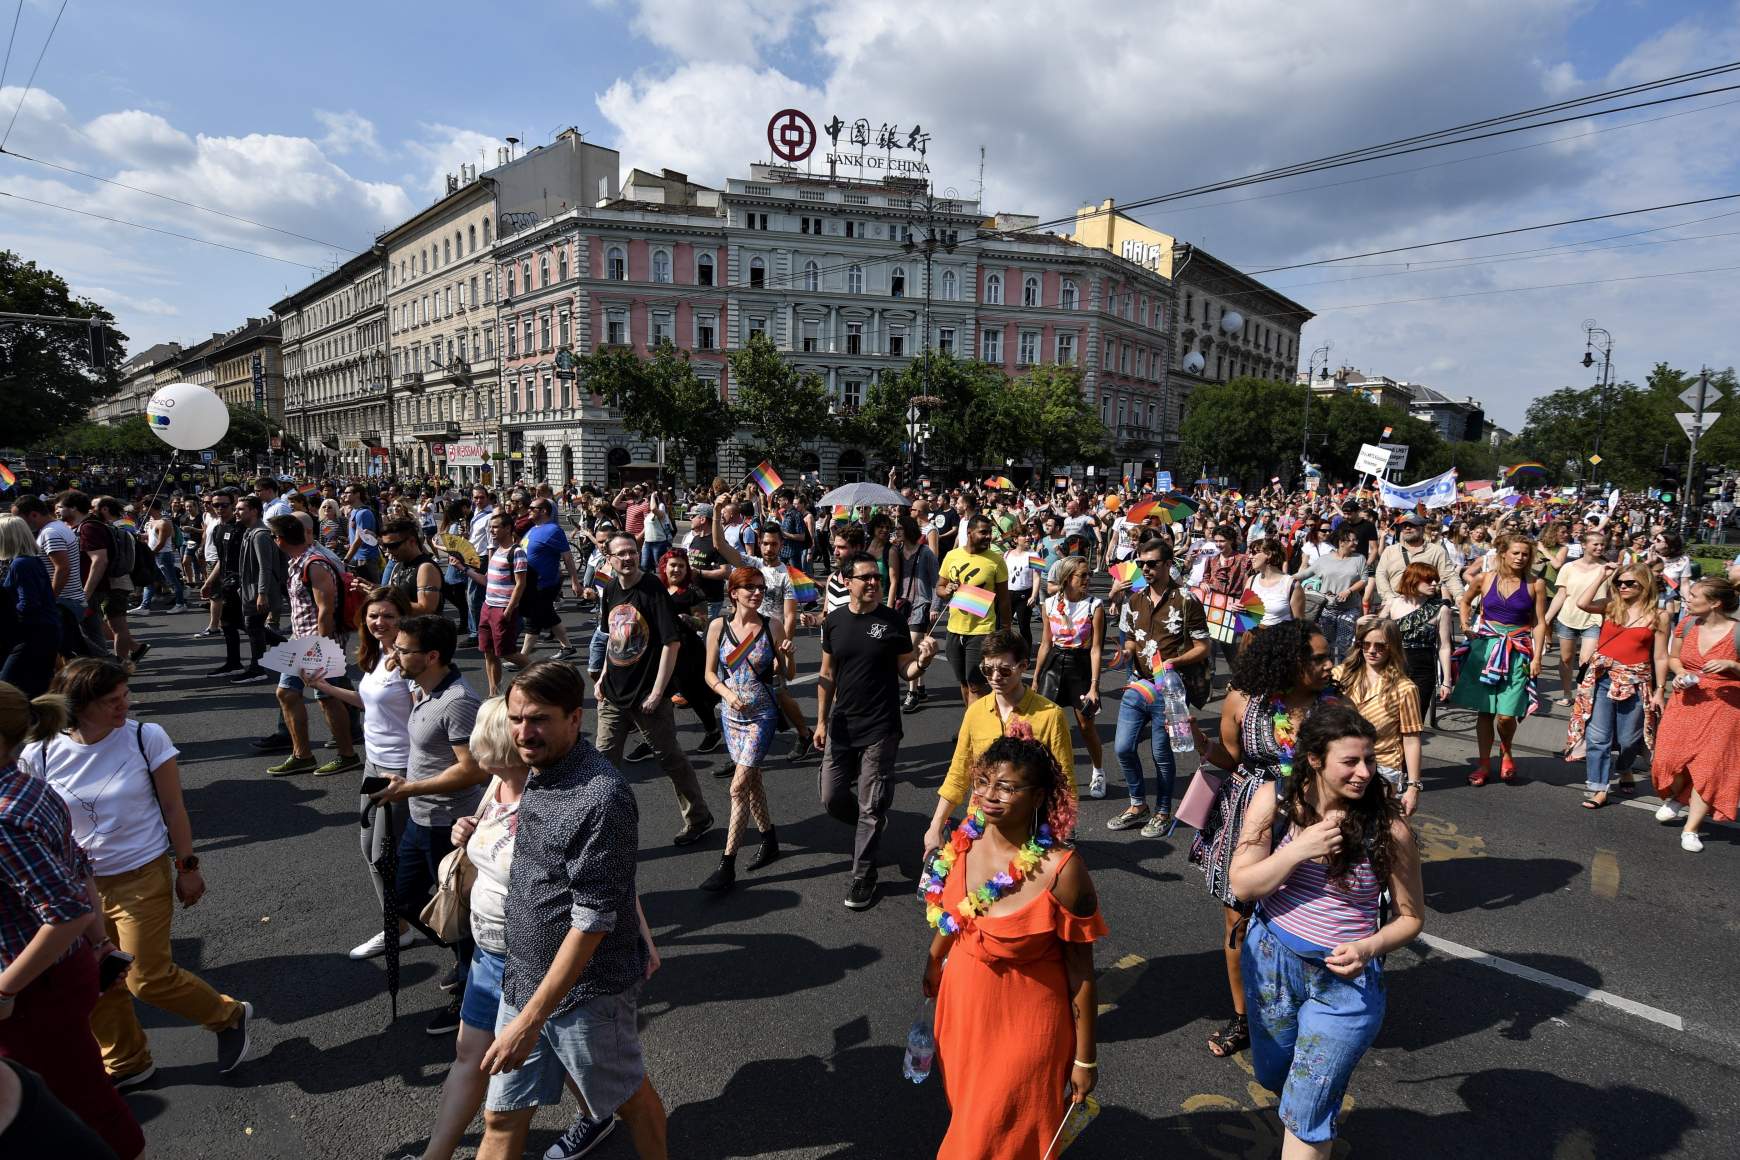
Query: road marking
[[1592, 994], [1604, 874]]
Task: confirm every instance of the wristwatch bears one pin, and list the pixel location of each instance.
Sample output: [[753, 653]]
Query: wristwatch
[[183, 865], [1415, 785]]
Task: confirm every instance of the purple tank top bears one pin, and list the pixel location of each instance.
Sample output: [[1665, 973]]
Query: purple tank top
[[1516, 609]]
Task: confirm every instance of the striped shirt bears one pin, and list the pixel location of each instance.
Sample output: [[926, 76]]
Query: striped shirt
[[57, 537], [1321, 911], [504, 565], [1072, 622]]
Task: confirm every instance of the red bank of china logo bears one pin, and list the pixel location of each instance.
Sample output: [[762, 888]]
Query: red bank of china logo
[[791, 135]]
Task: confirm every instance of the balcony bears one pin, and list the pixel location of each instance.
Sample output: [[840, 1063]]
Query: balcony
[[435, 429], [412, 380]]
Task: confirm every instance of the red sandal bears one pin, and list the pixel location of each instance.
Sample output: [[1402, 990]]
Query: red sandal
[[1482, 771], [1507, 770]]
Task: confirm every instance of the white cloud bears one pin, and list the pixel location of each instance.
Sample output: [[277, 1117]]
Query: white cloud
[[138, 138], [707, 120], [442, 149], [727, 31], [348, 132]]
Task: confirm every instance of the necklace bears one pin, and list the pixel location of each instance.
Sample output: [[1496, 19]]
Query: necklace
[[976, 902], [1286, 733]]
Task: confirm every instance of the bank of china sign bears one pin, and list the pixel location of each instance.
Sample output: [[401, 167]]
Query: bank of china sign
[[792, 136]]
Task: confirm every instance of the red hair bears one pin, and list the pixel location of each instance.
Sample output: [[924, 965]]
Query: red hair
[[743, 577]]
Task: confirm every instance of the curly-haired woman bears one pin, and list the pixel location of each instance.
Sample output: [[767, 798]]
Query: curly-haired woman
[[1011, 965], [1280, 674], [1313, 956]]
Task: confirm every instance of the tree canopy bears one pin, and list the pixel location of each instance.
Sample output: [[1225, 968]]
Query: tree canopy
[[659, 397], [779, 406], [45, 373]]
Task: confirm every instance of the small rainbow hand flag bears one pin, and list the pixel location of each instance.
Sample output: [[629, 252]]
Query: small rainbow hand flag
[[803, 586], [972, 601], [1130, 573], [842, 513], [309, 489], [125, 525], [1001, 482], [7, 479], [1036, 564], [766, 478]]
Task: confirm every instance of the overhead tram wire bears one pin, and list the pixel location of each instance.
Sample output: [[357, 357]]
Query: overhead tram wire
[[31, 83], [158, 230], [7, 65]]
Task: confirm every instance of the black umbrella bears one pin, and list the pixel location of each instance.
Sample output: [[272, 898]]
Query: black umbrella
[[387, 866]]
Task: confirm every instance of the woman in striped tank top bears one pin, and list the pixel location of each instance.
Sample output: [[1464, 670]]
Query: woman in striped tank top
[[1313, 955]]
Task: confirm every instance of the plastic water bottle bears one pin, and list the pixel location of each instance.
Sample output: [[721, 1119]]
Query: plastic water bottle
[[1685, 681], [1177, 705], [920, 1048]]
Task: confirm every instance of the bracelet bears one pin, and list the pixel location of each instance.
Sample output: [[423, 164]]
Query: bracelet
[[1414, 785], [1089, 1066]]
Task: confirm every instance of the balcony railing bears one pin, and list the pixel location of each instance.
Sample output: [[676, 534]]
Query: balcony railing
[[442, 428], [412, 379]]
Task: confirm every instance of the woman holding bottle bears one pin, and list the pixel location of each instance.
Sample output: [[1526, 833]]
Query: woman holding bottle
[[1697, 756], [1625, 687]]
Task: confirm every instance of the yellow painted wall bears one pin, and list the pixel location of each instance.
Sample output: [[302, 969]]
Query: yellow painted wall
[[1104, 228]]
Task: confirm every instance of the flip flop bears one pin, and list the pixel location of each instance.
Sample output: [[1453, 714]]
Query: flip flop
[[1589, 803]]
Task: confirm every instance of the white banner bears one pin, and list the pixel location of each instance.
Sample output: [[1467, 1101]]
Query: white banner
[[467, 454], [1437, 492]]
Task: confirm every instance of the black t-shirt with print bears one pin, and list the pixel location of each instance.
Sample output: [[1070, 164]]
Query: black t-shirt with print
[[702, 554], [866, 648], [638, 621]]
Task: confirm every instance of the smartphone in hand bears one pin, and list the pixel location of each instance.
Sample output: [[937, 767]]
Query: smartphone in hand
[[111, 968]]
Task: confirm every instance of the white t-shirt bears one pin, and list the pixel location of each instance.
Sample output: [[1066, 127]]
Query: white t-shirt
[[108, 791], [386, 698], [491, 850]]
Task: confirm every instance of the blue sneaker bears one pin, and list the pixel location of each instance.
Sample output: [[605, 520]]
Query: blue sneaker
[[582, 1136]]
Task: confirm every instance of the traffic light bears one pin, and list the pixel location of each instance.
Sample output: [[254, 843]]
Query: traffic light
[[1669, 477], [1708, 484]]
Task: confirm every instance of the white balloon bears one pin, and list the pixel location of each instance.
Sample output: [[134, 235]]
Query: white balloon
[[1194, 362], [187, 416], [1232, 322]]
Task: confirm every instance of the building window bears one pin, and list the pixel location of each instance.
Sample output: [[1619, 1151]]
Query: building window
[[755, 221], [567, 394], [757, 274], [488, 280], [897, 340], [661, 329], [852, 394], [1030, 291], [526, 274], [757, 328], [704, 270], [994, 289], [563, 330], [544, 332], [854, 230], [1069, 296], [1124, 359], [1106, 410], [1028, 352], [950, 289], [854, 279], [897, 282], [661, 266], [473, 299], [854, 338], [486, 231], [945, 340], [1065, 350], [1106, 355], [616, 328], [615, 265], [562, 264], [812, 332], [706, 330], [446, 252], [471, 239], [812, 276], [450, 302], [991, 346], [507, 288], [543, 269]]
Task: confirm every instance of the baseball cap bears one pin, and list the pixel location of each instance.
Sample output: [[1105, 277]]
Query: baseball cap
[[1412, 518], [701, 509]]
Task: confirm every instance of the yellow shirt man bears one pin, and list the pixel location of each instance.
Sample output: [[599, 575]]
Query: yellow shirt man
[[984, 569]]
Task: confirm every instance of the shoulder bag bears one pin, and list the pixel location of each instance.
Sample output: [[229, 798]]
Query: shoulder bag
[[448, 913]]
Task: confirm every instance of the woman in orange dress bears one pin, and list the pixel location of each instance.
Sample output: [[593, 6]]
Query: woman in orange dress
[[1011, 966], [1697, 748]]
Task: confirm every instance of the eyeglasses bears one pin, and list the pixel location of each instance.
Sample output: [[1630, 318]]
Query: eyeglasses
[[751, 588], [391, 544], [1147, 564], [867, 577], [1625, 584], [401, 650], [998, 789], [994, 669]]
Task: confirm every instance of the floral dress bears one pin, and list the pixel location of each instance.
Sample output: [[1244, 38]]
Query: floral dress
[[747, 667]]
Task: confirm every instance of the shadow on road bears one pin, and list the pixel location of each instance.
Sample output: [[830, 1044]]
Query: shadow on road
[[246, 810], [1493, 883]]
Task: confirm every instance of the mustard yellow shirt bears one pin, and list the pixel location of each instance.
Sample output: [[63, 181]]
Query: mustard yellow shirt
[[980, 726]]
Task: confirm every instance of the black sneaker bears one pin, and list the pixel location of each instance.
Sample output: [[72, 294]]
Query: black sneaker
[[800, 749], [583, 1135], [909, 703], [251, 677], [454, 981], [233, 1041], [271, 743], [711, 742], [138, 654], [862, 895], [446, 1020], [225, 671], [694, 833], [134, 1078], [639, 753]]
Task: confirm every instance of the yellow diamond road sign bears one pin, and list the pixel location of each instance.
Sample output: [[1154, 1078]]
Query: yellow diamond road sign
[[1595, 459]]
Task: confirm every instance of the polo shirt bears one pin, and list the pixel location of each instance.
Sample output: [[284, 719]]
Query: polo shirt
[[441, 719]]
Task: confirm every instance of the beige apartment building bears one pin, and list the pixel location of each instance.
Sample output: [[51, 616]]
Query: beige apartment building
[[336, 366]]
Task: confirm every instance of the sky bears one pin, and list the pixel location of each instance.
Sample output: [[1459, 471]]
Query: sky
[[338, 121]]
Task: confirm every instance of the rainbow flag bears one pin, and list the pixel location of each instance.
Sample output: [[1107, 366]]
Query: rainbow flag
[[124, 525], [1130, 573], [766, 478], [7, 479], [1145, 689], [972, 600], [1001, 482], [1036, 564], [842, 514], [310, 489], [803, 587], [742, 649], [1532, 467]]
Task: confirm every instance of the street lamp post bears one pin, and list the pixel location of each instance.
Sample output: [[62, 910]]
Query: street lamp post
[[915, 424], [1305, 436], [1590, 330], [380, 373]]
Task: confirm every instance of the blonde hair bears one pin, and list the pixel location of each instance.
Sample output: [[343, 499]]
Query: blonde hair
[[1068, 568], [15, 538], [1647, 591], [492, 742], [22, 719]]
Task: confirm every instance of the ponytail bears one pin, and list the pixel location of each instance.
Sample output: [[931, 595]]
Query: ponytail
[[23, 720]]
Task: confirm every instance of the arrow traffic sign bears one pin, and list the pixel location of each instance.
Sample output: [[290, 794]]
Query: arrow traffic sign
[[1691, 421]]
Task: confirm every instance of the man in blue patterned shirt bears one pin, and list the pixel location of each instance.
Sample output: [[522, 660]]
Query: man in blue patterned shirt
[[575, 958]]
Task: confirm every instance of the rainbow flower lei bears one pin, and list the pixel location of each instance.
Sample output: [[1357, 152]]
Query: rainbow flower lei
[[977, 902], [1286, 734]]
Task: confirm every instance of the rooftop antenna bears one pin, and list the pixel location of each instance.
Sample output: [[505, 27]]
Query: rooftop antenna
[[512, 142], [981, 177]]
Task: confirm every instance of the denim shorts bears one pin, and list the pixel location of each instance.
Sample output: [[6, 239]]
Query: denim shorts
[[482, 991], [296, 684], [597, 1043], [1565, 632]]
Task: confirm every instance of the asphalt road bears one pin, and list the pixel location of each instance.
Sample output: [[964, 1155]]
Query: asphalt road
[[1574, 998]]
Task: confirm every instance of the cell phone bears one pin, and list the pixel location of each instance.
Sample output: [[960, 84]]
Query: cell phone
[[374, 785], [110, 969]]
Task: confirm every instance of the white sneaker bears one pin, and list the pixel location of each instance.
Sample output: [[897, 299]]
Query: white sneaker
[[377, 945], [1669, 812], [139, 610], [178, 608], [1097, 783], [1691, 843]]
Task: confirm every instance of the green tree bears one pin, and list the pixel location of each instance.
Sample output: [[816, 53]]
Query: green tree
[[966, 391], [659, 398], [781, 407], [1063, 427], [45, 372]]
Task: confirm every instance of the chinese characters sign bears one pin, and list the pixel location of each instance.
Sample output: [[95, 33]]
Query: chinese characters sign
[[792, 136]]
